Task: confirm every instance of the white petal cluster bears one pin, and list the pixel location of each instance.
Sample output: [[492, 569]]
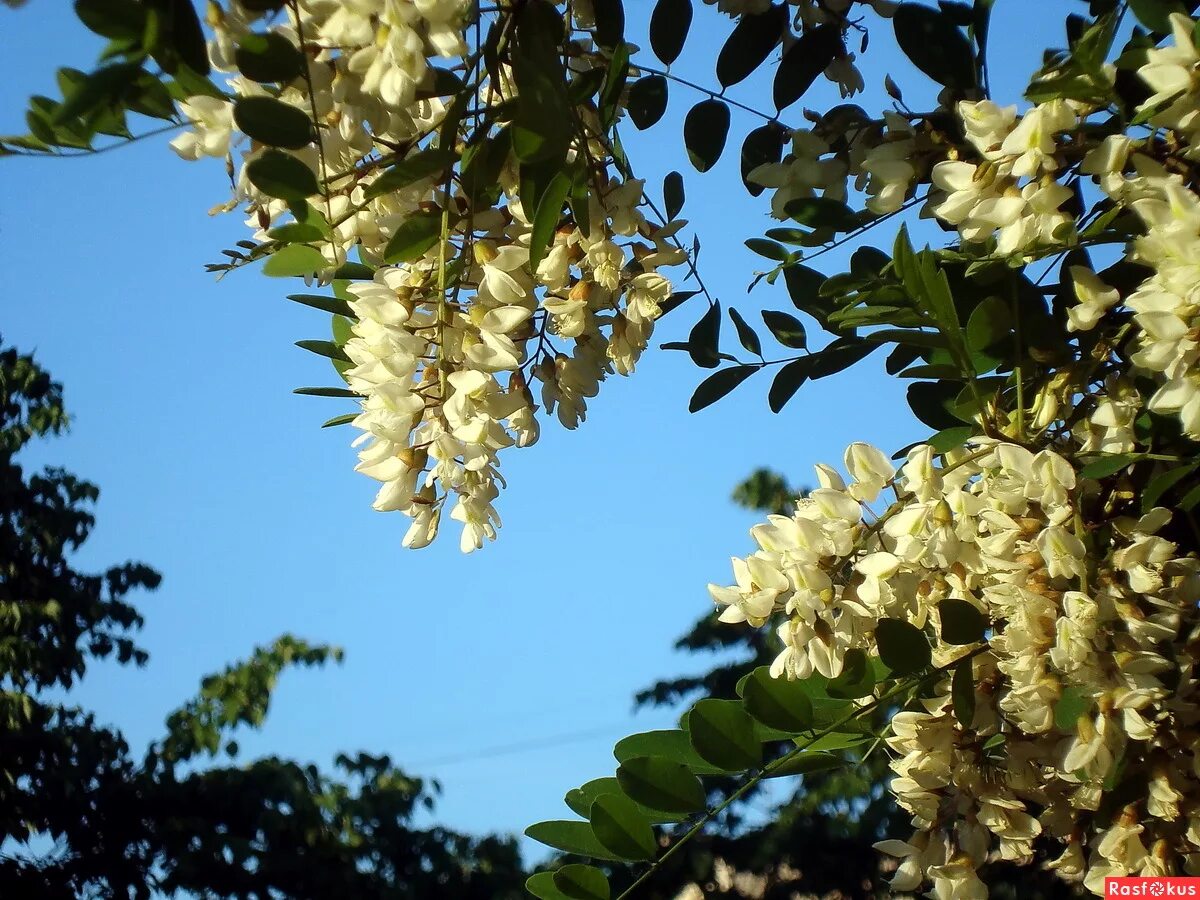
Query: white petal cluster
[[445, 349], [1011, 194], [1076, 699]]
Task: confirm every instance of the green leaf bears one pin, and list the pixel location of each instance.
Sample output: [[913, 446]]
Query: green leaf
[[705, 130], [542, 885], [326, 392], [705, 337], [545, 221], [268, 57], [580, 882], [746, 335], [281, 175], [115, 19], [777, 702], [1109, 464], [610, 22], [661, 784], [718, 384], [296, 233], [1155, 14], [837, 740], [787, 381], [930, 401], [294, 259], [647, 100], [902, 646], [786, 328], [949, 438], [962, 623], [184, 36], [328, 349], [807, 763], [672, 744], [806, 59], [722, 733], [570, 837], [856, 678], [273, 123], [579, 800], [421, 165], [673, 194], [1162, 483], [669, 25], [762, 145], [621, 829], [935, 45], [767, 249], [989, 323], [752, 40], [823, 212], [1072, 704], [614, 86], [414, 237], [962, 693], [345, 419]]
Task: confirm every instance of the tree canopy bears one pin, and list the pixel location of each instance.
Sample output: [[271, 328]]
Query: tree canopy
[[1006, 610]]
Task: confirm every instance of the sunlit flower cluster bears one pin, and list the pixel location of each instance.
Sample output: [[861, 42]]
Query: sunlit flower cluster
[[448, 347], [1075, 689]]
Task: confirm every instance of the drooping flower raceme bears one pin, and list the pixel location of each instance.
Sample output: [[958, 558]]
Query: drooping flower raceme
[[1075, 698], [458, 324]]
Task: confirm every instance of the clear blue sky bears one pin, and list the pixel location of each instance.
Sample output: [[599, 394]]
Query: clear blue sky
[[216, 474]]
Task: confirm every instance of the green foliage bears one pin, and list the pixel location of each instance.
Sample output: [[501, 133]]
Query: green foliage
[[81, 815]]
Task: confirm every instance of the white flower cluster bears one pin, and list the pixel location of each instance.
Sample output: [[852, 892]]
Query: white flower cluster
[[445, 348], [1081, 732], [1012, 193]]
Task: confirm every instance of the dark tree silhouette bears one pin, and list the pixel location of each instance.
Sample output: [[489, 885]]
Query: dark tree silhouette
[[82, 816]]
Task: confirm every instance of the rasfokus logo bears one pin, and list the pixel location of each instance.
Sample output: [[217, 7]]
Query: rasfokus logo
[[1152, 887]]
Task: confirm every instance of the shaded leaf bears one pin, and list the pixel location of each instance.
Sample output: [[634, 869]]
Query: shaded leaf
[[621, 829], [786, 328], [902, 646], [777, 702], [411, 169], [746, 335], [935, 45], [580, 882], [281, 175], [750, 43], [962, 623], [962, 693], [647, 100], [722, 733], [787, 382], [271, 122], [705, 130], [763, 145], [661, 783], [718, 384], [705, 338], [673, 194], [669, 25], [806, 59], [268, 57], [570, 837]]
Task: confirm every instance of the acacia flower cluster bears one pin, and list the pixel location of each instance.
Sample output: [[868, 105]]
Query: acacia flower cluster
[[453, 346], [1075, 691]]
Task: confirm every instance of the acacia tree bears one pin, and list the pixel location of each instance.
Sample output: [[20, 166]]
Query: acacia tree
[[1010, 615], [82, 816]]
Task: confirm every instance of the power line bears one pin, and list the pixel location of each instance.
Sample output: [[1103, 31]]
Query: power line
[[542, 743]]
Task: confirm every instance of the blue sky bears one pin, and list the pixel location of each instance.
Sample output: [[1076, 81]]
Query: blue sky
[[216, 474]]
